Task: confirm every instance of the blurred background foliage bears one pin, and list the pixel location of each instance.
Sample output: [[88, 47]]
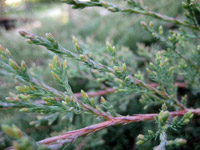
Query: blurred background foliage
[[93, 27]]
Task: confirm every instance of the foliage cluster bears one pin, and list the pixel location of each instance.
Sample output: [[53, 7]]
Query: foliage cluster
[[152, 75]]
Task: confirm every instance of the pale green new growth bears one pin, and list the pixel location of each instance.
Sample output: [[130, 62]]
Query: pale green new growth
[[174, 60]]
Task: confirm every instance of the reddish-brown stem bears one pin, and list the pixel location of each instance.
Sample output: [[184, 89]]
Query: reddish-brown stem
[[111, 90], [73, 135]]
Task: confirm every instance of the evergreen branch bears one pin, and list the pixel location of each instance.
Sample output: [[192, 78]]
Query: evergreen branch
[[21, 73], [51, 44], [170, 44], [36, 96], [111, 90], [73, 135], [137, 10]]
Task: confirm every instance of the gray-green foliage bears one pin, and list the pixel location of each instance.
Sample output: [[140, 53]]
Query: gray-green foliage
[[179, 57]]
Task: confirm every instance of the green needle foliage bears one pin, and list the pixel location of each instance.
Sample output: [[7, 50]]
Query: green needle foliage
[[177, 56]]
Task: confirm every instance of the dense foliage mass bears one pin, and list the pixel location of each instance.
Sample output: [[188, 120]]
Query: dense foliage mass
[[153, 75]]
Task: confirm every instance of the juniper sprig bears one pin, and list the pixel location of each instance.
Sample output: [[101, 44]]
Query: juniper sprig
[[173, 59]]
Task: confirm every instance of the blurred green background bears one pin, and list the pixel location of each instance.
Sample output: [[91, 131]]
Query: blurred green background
[[93, 27]]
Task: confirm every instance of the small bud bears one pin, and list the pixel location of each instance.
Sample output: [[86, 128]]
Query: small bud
[[141, 101], [92, 102], [164, 107], [83, 94], [191, 4], [23, 33], [151, 64], [8, 130], [149, 72], [8, 52], [111, 75], [139, 142], [29, 41], [64, 103], [98, 108], [67, 99], [170, 38], [144, 25], [2, 49], [160, 30], [108, 45], [151, 24], [23, 66], [198, 48], [48, 99], [184, 4], [119, 81], [187, 115], [20, 88], [32, 87], [186, 121], [52, 66], [55, 76], [17, 132], [180, 141], [140, 136], [166, 61], [155, 73], [12, 99], [127, 78], [150, 132], [145, 107], [124, 67], [191, 116], [103, 3], [164, 115], [77, 46], [165, 127], [111, 9], [24, 110], [56, 61], [111, 49], [49, 37], [103, 100], [154, 34], [171, 69], [65, 64], [114, 49], [13, 64], [117, 69], [71, 109], [25, 97], [161, 64], [83, 58]]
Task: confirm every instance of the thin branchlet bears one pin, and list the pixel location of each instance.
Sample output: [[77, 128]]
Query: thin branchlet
[[93, 64], [115, 8]]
